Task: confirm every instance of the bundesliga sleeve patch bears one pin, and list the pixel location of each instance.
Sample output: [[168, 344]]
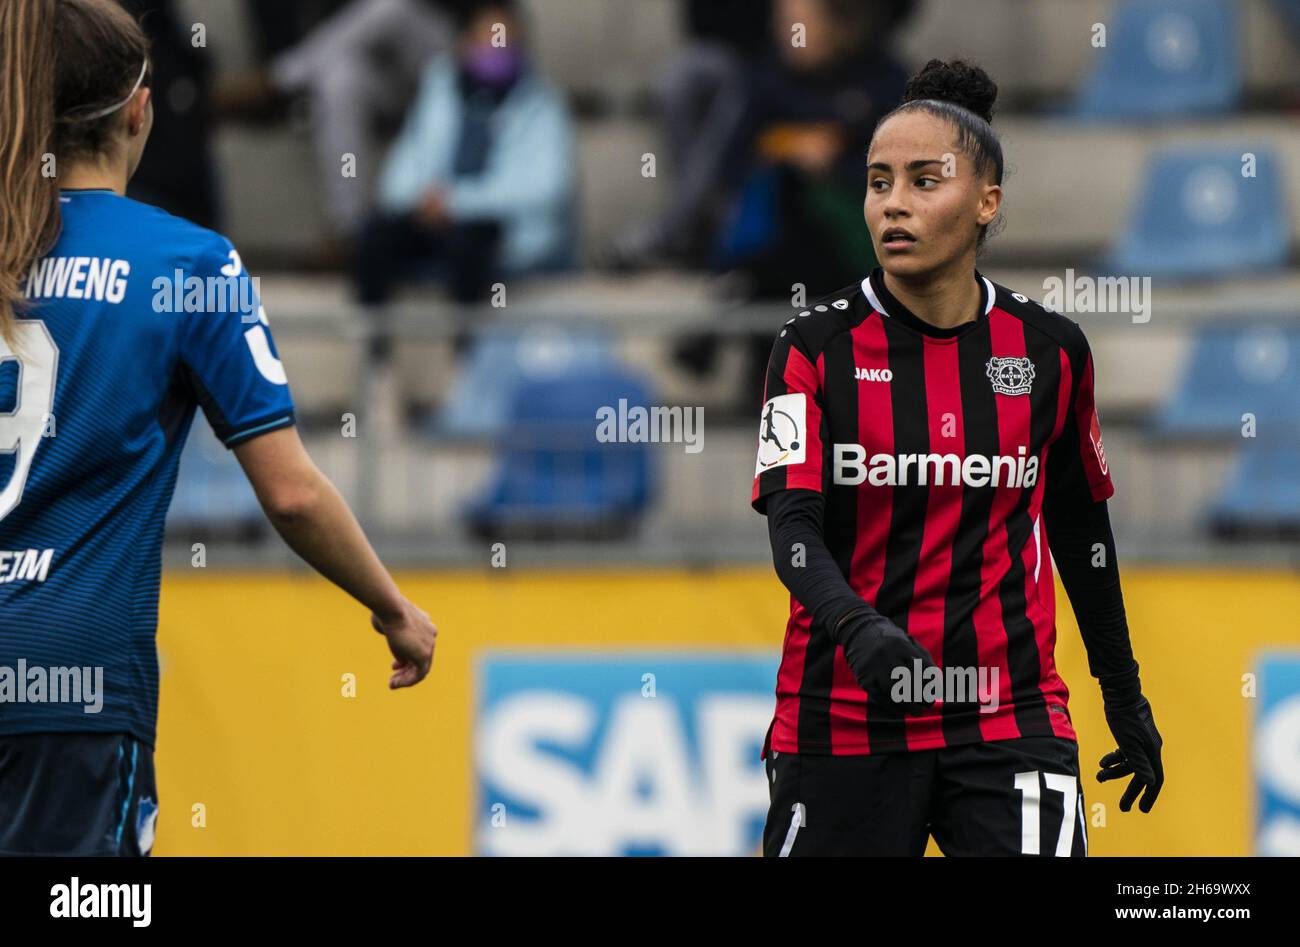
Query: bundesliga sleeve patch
[[1095, 435], [782, 435]]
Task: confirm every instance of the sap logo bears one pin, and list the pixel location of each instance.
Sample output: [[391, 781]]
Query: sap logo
[[649, 754], [873, 374], [1276, 753]]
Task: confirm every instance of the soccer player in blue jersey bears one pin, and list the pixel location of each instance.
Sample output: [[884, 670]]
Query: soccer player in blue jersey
[[103, 362]]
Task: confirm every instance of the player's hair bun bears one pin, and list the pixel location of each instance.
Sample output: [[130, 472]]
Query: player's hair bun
[[959, 82]]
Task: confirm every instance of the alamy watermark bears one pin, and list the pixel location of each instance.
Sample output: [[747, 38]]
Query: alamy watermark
[[36, 684], [657, 424], [1129, 295], [226, 293], [951, 685]]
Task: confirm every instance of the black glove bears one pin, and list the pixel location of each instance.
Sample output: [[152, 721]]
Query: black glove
[[1129, 717], [874, 647]]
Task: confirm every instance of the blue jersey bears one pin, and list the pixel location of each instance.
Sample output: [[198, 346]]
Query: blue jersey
[[133, 319]]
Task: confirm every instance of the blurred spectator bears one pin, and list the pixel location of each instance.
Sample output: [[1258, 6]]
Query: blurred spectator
[[273, 28], [799, 151], [177, 172], [281, 24], [813, 106], [701, 97], [742, 84], [359, 70], [480, 181]]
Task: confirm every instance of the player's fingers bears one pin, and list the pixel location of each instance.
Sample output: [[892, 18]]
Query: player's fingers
[[410, 673], [1114, 766], [1143, 770], [914, 650], [1111, 758], [1130, 793], [1149, 797], [399, 667]]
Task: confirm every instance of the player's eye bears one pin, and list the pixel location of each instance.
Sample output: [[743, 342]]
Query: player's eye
[[922, 182], [878, 184]]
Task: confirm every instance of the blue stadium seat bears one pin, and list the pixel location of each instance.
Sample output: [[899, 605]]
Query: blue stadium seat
[[1234, 370], [212, 494], [1165, 59], [554, 477], [1197, 216], [1261, 495], [499, 361]]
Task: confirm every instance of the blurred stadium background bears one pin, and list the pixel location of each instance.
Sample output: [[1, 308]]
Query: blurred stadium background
[[610, 619]]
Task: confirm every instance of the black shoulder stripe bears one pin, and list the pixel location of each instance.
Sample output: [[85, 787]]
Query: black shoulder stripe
[[825, 318], [1061, 329]]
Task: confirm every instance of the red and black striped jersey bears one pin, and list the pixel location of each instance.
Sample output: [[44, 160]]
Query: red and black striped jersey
[[933, 449]]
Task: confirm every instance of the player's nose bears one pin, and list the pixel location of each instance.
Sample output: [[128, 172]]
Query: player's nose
[[896, 207]]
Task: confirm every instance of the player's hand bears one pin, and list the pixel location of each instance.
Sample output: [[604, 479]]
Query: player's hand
[[411, 639], [1138, 754], [878, 651]]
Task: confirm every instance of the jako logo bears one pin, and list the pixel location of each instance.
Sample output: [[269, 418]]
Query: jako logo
[[873, 374], [939, 470]]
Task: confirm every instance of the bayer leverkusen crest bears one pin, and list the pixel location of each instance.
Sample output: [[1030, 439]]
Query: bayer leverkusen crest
[[1010, 376]]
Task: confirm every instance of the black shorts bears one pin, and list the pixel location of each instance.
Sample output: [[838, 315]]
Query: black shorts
[[76, 794], [1006, 797]]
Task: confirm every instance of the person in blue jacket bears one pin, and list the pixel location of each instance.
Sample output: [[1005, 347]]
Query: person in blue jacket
[[479, 184]]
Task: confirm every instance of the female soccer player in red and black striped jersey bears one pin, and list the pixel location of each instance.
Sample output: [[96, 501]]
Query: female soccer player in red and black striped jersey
[[927, 436]]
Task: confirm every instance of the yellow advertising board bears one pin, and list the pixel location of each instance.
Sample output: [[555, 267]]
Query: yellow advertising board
[[278, 734]]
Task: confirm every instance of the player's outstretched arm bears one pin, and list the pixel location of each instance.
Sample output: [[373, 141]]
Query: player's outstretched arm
[[1076, 522], [308, 512], [1083, 546]]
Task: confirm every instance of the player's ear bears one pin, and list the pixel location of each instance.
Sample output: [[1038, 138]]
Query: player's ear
[[990, 203], [139, 112]]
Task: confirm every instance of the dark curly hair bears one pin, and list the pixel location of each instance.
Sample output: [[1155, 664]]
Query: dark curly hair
[[961, 94]]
